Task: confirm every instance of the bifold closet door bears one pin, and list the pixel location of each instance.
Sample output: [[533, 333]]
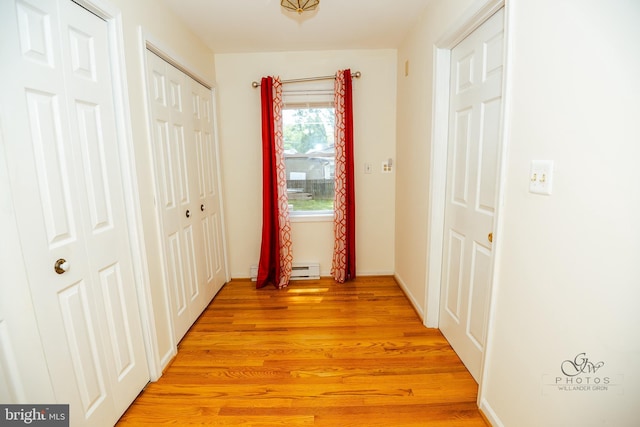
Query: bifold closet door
[[62, 151], [209, 201], [187, 199]]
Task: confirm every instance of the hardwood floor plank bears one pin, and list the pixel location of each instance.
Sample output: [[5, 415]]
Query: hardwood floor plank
[[316, 353]]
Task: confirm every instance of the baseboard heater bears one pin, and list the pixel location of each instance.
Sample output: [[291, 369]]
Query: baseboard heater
[[300, 271]]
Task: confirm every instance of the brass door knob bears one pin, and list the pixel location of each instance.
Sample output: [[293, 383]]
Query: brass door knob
[[61, 266], [490, 237]]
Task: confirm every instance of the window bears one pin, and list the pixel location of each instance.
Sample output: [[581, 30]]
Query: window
[[309, 154]]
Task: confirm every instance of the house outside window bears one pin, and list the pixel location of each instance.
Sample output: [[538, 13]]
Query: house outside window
[[308, 134]]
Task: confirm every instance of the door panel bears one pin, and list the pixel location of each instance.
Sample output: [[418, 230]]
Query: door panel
[[472, 179], [192, 268], [53, 181], [94, 139], [185, 165], [478, 293], [219, 273], [113, 292], [83, 342], [461, 157], [165, 164], [181, 177], [454, 273], [170, 158], [176, 275], [34, 25], [488, 162], [209, 199], [64, 166], [92, 148]]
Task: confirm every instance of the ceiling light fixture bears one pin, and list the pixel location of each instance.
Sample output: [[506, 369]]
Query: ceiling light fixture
[[299, 5]]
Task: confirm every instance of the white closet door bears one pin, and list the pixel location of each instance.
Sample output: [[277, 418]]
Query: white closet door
[[62, 150], [472, 179], [209, 210], [187, 198], [172, 157]]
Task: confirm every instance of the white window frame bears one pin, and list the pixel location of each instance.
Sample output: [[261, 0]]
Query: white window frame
[[321, 94]]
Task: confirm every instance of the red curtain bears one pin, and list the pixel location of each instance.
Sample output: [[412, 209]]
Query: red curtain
[[275, 252], [344, 252]]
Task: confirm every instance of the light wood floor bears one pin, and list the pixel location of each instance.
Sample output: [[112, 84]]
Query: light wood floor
[[316, 353]]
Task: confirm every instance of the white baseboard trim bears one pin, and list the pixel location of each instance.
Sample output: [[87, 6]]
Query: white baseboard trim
[[490, 414], [374, 273], [166, 359], [245, 276], [410, 296]]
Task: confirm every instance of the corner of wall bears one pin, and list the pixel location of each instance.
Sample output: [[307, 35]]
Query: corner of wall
[[412, 299]]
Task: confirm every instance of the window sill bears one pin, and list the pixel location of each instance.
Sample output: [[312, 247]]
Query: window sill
[[311, 216]]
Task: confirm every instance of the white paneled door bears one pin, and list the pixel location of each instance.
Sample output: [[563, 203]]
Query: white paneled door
[[61, 147], [208, 206], [472, 178], [182, 124]]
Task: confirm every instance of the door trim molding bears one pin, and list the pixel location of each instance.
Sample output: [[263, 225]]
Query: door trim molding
[[113, 17], [468, 22], [168, 58], [149, 42]]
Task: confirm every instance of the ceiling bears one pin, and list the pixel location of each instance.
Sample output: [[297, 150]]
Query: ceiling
[[228, 26]]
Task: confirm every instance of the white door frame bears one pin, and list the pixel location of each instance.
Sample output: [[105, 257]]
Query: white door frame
[[113, 18], [466, 24]]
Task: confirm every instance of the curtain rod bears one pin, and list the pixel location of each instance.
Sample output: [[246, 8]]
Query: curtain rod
[[357, 75]]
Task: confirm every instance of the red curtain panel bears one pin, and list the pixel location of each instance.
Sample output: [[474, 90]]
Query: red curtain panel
[[276, 258], [344, 252]]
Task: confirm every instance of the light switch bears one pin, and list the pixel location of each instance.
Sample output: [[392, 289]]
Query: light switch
[[541, 177], [387, 167]]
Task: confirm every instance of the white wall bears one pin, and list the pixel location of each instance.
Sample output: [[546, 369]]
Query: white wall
[[569, 276], [158, 23], [567, 272], [374, 100]]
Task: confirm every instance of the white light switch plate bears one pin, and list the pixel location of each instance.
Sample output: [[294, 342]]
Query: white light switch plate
[[541, 177]]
